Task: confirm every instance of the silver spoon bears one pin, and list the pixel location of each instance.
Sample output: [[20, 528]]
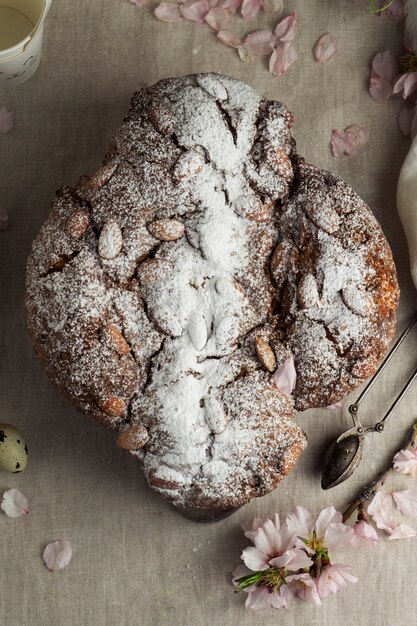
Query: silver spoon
[[345, 453]]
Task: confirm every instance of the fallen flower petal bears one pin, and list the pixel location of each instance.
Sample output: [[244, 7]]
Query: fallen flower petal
[[6, 120], [218, 18], [271, 7], [285, 376], [380, 89], [406, 501], [282, 58], [405, 461], [229, 38], [285, 29], [359, 132], [168, 12], [245, 55], [57, 555], [365, 534], [325, 48], [343, 144], [402, 531], [382, 511], [4, 219], [250, 8], [231, 5], [194, 10], [385, 66], [260, 42], [14, 504]]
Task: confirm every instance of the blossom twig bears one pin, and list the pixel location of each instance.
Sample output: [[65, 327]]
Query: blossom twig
[[369, 491]]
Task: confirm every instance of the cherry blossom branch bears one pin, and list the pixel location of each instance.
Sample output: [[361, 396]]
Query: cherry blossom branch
[[369, 490]]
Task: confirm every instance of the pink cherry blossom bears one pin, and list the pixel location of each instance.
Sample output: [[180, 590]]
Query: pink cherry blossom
[[384, 65], [406, 501], [304, 587], [250, 8], [402, 531], [231, 5], [382, 512], [251, 529], [365, 535], [168, 12], [218, 18], [359, 133], [228, 38], [405, 461], [194, 10], [57, 555], [14, 503], [260, 42], [6, 120], [406, 85], [285, 376], [327, 530], [343, 144], [285, 29], [272, 7], [244, 54], [325, 48], [270, 542], [333, 578]]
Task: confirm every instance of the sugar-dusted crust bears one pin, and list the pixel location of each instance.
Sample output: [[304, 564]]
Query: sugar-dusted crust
[[156, 283]]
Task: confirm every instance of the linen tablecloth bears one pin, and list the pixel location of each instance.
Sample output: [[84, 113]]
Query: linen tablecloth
[[136, 561]]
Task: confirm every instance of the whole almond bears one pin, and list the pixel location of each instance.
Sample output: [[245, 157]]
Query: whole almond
[[215, 415], [77, 223], [166, 230], [265, 354], [162, 119], [357, 300], [101, 177], [278, 159], [162, 483], [152, 270], [116, 339], [189, 164], [112, 405], [323, 216], [282, 260], [133, 438], [110, 241], [307, 292], [212, 85]]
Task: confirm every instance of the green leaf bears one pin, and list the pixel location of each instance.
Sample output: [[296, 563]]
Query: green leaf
[[373, 8], [250, 579]]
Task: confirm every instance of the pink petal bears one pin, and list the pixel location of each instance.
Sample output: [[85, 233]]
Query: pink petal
[[382, 512], [402, 531], [218, 18], [304, 587], [343, 144], [397, 11], [365, 535], [244, 54], [327, 516], [410, 84], [385, 66], [333, 578], [14, 504], [255, 559], [282, 598], [168, 12], [231, 5], [359, 133], [6, 120], [336, 405], [285, 29], [405, 461], [406, 501], [338, 535], [250, 528], [260, 42], [139, 3], [285, 376], [325, 48], [194, 10], [228, 38], [271, 7], [259, 599], [405, 121], [300, 522], [4, 219], [239, 572], [292, 560], [250, 8], [380, 89], [212, 3], [398, 85], [57, 555]]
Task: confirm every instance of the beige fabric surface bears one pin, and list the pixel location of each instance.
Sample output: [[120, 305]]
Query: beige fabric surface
[[137, 562]]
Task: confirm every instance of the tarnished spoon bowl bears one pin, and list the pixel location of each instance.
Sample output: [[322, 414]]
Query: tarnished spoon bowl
[[342, 458]]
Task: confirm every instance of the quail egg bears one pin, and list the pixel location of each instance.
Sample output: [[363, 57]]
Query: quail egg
[[13, 450]]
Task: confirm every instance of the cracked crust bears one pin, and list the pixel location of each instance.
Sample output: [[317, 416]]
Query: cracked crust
[[154, 286]]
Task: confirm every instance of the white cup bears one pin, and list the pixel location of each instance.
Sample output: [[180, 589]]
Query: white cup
[[21, 34]]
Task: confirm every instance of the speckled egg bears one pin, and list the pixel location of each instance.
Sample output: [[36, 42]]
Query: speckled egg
[[13, 450]]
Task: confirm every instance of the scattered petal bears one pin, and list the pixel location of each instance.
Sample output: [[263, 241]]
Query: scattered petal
[[231, 5], [325, 48], [57, 555], [14, 504], [194, 10], [272, 7], [402, 531], [405, 461], [380, 89], [139, 3], [406, 501], [244, 54], [385, 66], [285, 376], [218, 18], [282, 58], [229, 38], [405, 121], [4, 219], [250, 8], [6, 120], [383, 512], [365, 535], [285, 29], [343, 144], [260, 42], [359, 133], [168, 12]]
